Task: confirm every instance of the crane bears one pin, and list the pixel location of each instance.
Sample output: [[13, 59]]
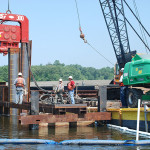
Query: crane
[[117, 29], [113, 12], [136, 74]]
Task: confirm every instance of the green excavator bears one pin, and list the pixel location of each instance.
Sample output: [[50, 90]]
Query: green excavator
[[136, 75]]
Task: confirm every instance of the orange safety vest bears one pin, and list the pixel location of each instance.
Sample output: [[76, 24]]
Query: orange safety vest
[[121, 84], [70, 87], [20, 82]]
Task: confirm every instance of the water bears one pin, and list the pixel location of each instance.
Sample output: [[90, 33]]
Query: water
[[11, 129]]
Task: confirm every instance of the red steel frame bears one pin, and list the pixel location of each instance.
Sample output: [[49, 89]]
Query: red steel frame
[[11, 35]]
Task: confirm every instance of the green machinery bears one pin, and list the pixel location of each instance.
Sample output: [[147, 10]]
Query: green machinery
[[137, 71], [136, 75]]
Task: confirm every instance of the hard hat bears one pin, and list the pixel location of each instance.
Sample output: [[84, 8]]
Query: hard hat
[[122, 69], [19, 74], [60, 79], [70, 77]]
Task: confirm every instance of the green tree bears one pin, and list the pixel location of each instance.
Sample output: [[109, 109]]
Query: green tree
[[52, 72]]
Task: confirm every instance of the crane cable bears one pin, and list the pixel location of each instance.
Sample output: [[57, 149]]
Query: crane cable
[[137, 18], [78, 14], [141, 29], [139, 23], [8, 11], [82, 36], [99, 53], [134, 29]]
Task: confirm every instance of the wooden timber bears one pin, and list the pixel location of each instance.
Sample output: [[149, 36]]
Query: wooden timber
[[48, 118]]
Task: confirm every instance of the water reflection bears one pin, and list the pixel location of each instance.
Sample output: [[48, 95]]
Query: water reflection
[[11, 128], [43, 131]]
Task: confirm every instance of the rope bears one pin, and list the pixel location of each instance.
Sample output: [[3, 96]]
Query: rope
[[83, 37]]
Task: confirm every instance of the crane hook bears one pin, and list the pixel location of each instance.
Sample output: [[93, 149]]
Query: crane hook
[[82, 36]]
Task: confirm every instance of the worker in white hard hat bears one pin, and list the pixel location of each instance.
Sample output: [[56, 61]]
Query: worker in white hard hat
[[59, 90], [20, 85], [71, 86], [123, 90], [122, 69]]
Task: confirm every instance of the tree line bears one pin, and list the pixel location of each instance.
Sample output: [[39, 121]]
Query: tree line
[[52, 72]]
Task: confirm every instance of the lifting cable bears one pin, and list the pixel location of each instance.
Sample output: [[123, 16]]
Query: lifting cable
[[141, 29], [8, 11], [82, 36], [145, 43], [133, 29], [137, 19]]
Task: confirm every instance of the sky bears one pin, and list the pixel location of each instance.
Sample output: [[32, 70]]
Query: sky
[[54, 31]]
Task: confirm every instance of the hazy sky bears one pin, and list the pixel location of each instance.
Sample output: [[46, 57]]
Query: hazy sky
[[53, 28]]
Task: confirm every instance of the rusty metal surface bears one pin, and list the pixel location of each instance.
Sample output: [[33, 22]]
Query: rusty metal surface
[[58, 109], [81, 93], [3, 97], [1, 100], [36, 119], [25, 106], [98, 116], [113, 93], [3, 93], [70, 105], [87, 93], [2, 83]]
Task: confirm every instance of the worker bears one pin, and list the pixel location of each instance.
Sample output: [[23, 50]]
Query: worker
[[60, 90], [71, 86], [123, 90], [20, 85]]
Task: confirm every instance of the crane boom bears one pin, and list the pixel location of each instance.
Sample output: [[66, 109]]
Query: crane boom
[[113, 12]]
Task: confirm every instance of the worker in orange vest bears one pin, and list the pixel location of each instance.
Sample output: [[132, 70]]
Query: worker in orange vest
[[20, 85], [123, 90], [71, 86]]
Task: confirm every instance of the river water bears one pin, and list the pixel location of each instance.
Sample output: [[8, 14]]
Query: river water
[[10, 128]]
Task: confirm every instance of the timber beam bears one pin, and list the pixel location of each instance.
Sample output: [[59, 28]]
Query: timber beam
[[46, 118]]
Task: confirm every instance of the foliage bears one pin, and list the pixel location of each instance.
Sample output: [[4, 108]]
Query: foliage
[[4, 74], [52, 72]]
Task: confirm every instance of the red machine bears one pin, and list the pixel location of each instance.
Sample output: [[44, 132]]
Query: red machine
[[14, 41], [12, 35]]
